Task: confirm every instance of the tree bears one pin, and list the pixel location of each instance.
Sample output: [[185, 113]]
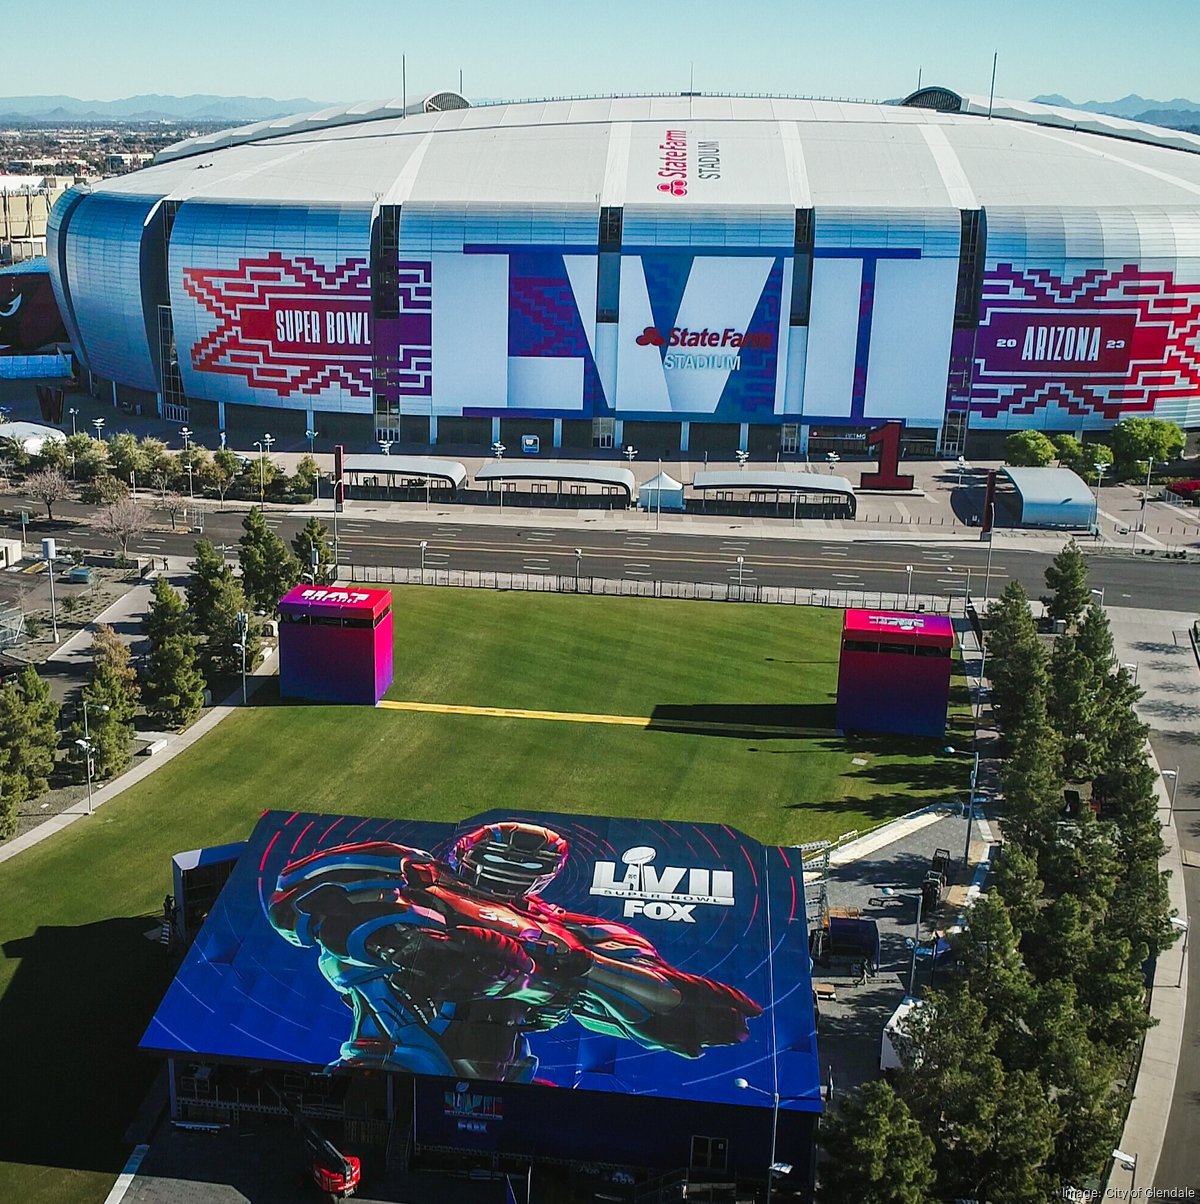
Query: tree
[[269, 570], [172, 684], [120, 522], [1074, 709], [1067, 577], [209, 574], [1028, 449], [226, 629], [1136, 441], [1033, 794], [875, 1151], [220, 472], [87, 457], [307, 473], [47, 485], [156, 458], [1094, 640], [1015, 656], [258, 475], [172, 505], [111, 695], [126, 459], [1070, 452], [52, 454], [104, 490], [28, 738], [314, 536]]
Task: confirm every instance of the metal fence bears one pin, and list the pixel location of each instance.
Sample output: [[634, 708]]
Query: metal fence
[[624, 587]]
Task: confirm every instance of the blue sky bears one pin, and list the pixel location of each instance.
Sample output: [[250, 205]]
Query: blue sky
[[1084, 49]]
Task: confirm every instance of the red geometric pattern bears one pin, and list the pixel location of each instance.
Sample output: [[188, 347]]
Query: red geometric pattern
[[290, 325], [1149, 328]]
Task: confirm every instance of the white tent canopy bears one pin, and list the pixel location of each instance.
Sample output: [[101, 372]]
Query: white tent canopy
[[661, 492]]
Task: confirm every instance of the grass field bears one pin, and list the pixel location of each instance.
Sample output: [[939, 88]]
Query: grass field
[[78, 981]]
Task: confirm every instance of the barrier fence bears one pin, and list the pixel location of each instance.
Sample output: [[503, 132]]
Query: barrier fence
[[624, 587]]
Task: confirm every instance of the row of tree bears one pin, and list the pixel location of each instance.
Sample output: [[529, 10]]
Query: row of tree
[[1009, 1090], [104, 471], [1136, 443]]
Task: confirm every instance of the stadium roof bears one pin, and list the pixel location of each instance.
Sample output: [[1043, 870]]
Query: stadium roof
[[1052, 497], [771, 152], [253, 988]]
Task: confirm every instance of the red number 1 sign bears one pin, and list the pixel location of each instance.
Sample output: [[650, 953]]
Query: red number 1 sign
[[887, 439]]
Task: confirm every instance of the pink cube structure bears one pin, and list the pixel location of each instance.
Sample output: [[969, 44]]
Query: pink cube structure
[[894, 672], [335, 644]]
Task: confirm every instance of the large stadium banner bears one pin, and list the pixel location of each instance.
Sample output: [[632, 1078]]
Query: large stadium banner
[[272, 304], [1074, 341], [29, 317], [636, 956]]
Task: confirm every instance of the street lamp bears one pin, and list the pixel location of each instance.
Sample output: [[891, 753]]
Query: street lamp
[[912, 970], [1173, 774], [385, 446], [1129, 1163], [310, 435], [424, 545], [74, 413], [186, 433], [967, 589], [742, 457], [991, 534], [962, 467], [773, 1168], [98, 423], [578, 563], [498, 450], [86, 745], [1131, 667], [188, 468], [741, 561], [832, 459], [48, 553], [1100, 470], [1098, 593], [1182, 926], [908, 568], [243, 626]]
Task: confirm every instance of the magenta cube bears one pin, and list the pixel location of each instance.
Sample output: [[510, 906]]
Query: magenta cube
[[335, 644], [894, 672]]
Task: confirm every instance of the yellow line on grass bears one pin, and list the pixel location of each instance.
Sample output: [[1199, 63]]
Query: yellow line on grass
[[642, 721]]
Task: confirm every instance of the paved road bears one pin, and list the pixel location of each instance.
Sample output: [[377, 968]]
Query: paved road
[[869, 564]]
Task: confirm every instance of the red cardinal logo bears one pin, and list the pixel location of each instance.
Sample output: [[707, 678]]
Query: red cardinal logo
[[675, 188], [650, 337]]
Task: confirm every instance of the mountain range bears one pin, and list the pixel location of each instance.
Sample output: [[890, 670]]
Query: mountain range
[[152, 107], [1177, 114]]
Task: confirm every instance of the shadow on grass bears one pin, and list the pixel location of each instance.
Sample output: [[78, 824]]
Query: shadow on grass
[[70, 1021], [746, 721]]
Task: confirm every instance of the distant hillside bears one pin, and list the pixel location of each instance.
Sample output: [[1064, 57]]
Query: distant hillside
[[199, 107], [1178, 114]]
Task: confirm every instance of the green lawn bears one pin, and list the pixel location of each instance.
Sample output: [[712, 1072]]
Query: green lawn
[[78, 980]]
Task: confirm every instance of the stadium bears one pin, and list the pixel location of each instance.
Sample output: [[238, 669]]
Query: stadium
[[693, 274]]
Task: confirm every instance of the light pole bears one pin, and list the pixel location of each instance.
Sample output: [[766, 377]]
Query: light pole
[[1100, 470], [262, 467], [658, 497], [1129, 1163], [1173, 774], [578, 563], [262, 492], [186, 434], [243, 625], [424, 545], [987, 576], [74, 413], [742, 457], [385, 446], [189, 470], [962, 467], [98, 423], [832, 459], [773, 1168], [1140, 524], [311, 435], [741, 562], [1181, 926], [1098, 593], [971, 810], [912, 970], [908, 596], [48, 553], [630, 453], [1132, 667], [498, 450], [86, 745]]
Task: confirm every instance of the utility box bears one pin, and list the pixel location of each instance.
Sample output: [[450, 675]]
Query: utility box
[[894, 673], [335, 644], [10, 552]]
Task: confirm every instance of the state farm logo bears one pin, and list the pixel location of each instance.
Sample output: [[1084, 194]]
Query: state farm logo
[[673, 163], [661, 894], [682, 336]]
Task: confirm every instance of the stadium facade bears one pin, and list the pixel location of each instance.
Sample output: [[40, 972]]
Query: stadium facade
[[686, 272]]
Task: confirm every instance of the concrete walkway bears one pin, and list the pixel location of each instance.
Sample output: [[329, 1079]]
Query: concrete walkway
[[144, 766], [1156, 643]]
